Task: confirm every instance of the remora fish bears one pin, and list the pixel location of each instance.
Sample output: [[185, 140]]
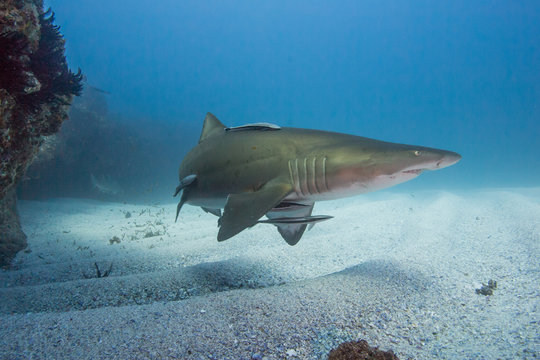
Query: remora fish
[[263, 169]]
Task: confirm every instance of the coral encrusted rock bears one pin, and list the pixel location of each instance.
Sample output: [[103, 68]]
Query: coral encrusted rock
[[12, 239], [359, 350], [36, 89]]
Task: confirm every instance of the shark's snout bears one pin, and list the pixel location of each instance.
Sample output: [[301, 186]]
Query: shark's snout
[[449, 158], [430, 159]]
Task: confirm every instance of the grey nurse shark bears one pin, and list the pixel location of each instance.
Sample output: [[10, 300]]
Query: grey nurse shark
[[263, 169]]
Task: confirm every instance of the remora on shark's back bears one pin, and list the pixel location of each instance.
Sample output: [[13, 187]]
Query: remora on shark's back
[[263, 169]]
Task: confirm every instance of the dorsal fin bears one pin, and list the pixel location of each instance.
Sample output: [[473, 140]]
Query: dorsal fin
[[211, 126]]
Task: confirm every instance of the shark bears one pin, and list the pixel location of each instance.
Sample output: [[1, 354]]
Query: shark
[[244, 173], [105, 185]]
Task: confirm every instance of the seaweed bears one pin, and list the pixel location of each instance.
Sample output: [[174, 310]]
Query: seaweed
[[49, 66], [99, 274], [38, 78]]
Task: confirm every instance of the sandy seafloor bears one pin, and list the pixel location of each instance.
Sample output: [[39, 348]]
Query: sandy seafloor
[[397, 269]]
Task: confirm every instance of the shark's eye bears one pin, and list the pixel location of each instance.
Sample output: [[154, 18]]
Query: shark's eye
[[417, 153]]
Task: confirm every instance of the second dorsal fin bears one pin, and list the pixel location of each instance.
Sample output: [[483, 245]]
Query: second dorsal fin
[[211, 126]]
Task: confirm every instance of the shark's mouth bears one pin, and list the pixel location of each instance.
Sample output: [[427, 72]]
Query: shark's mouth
[[413, 171]]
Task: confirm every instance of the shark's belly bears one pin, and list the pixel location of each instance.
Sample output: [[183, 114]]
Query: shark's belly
[[208, 202]]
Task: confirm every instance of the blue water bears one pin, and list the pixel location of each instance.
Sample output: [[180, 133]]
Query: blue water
[[457, 75]]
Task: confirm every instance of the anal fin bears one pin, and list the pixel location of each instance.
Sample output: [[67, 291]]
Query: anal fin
[[292, 219], [291, 231], [216, 212]]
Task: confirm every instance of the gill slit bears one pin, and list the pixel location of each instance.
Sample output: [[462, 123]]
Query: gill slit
[[304, 176], [324, 173], [314, 173], [298, 176], [308, 190], [291, 174]]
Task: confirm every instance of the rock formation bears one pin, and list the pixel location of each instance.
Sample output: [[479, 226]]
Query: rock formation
[[360, 350], [93, 156], [36, 89]]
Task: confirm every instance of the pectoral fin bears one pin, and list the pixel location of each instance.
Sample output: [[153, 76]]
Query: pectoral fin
[[245, 209]]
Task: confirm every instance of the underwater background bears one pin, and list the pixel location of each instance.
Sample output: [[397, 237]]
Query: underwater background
[[442, 267], [455, 75]]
